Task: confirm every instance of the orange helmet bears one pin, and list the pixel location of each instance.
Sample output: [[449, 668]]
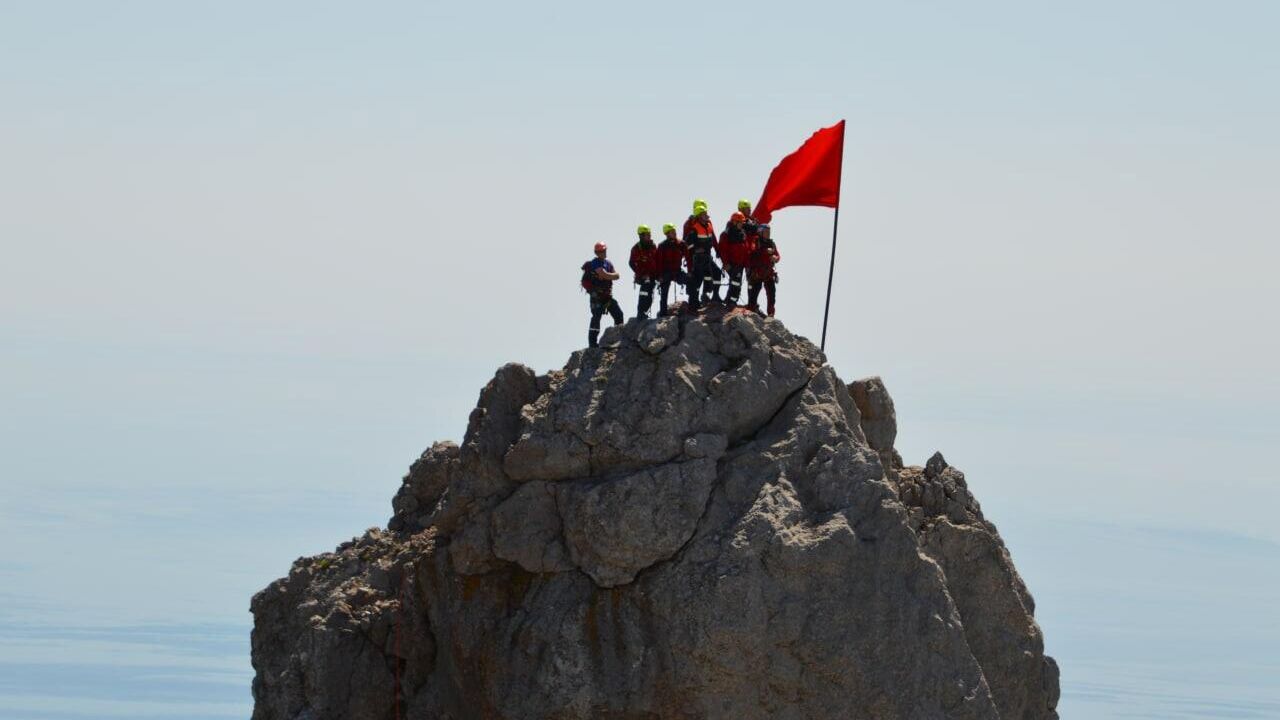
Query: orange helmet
[[737, 218], [601, 246]]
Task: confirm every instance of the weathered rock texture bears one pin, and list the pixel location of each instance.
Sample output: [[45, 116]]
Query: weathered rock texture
[[699, 520]]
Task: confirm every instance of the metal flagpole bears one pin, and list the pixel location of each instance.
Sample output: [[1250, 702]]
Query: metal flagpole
[[835, 225], [830, 275]]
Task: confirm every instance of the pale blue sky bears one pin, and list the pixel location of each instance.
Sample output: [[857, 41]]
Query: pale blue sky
[[258, 256]]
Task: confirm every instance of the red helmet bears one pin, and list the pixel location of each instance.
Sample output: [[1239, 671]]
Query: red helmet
[[601, 246], [737, 218]]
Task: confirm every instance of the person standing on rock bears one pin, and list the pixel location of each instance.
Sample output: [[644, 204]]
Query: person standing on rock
[[597, 279], [644, 263], [704, 275], [671, 254], [760, 270], [733, 250], [749, 225]]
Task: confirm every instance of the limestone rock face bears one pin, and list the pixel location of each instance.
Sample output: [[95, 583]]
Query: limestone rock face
[[879, 420], [697, 520]]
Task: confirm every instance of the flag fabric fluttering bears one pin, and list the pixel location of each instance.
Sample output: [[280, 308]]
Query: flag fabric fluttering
[[808, 176]]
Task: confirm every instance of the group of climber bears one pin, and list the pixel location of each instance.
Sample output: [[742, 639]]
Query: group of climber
[[745, 248]]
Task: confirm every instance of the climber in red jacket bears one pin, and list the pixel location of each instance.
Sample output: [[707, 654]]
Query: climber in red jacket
[[734, 250], [644, 263], [749, 226], [760, 270], [671, 255]]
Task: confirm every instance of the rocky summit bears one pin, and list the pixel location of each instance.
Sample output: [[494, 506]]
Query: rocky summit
[[698, 519]]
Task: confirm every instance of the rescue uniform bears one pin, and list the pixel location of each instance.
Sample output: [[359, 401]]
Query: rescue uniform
[[704, 274], [644, 263], [761, 273], [752, 230], [671, 254], [601, 294], [734, 249]]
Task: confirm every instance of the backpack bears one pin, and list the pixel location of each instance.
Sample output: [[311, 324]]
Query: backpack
[[592, 284]]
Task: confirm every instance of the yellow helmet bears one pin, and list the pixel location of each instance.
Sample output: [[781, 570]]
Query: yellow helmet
[[699, 203], [744, 205], [668, 227], [642, 230]]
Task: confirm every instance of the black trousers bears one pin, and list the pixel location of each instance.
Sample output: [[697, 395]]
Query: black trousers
[[599, 306], [664, 286], [704, 277], [735, 282], [645, 299], [753, 293]]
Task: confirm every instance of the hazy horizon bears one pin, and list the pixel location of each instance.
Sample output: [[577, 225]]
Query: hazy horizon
[[258, 258]]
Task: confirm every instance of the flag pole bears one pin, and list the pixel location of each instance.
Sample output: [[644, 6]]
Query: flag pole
[[830, 276], [835, 225]]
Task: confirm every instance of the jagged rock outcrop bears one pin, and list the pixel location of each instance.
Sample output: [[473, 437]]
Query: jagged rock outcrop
[[697, 520]]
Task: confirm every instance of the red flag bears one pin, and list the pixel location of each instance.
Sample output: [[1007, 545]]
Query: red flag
[[808, 176]]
